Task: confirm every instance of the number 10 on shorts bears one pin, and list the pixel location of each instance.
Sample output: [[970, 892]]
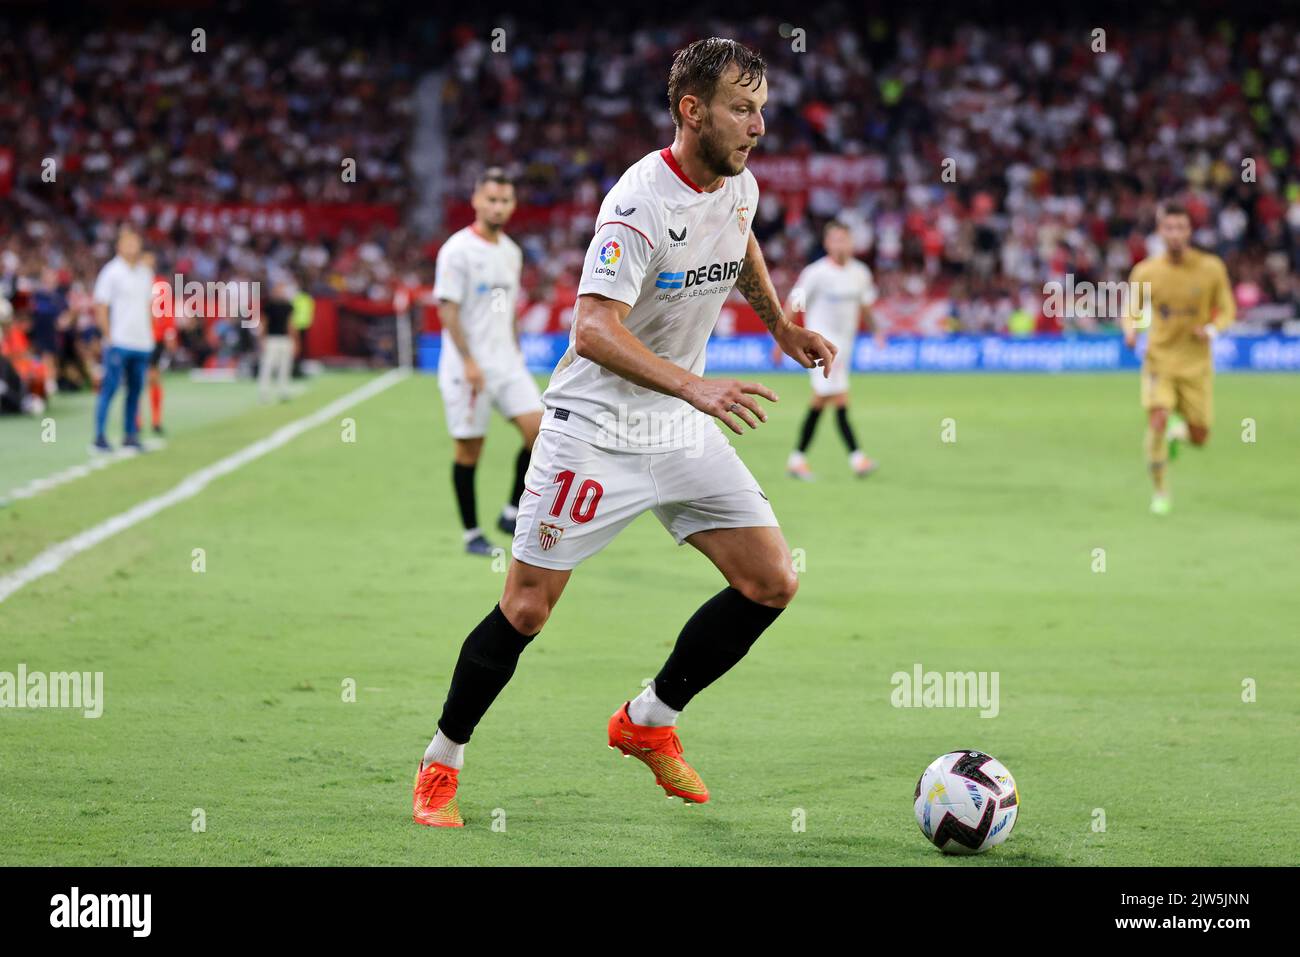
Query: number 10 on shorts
[[584, 502]]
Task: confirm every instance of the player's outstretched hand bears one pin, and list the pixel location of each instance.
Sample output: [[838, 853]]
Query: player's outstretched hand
[[806, 347], [725, 398]]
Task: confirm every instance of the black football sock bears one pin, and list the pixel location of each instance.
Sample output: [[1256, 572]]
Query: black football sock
[[846, 430], [521, 470], [718, 635], [462, 478], [487, 661], [809, 426]]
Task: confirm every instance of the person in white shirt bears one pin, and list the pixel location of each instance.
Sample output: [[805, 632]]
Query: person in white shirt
[[835, 294], [480, 367], [124, 310], [630, 427]]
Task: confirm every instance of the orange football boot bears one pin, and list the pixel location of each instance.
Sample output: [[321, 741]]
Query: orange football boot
[[661, 751], [435, 797]]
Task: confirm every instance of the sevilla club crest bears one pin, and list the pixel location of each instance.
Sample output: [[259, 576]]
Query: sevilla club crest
[[742, 219], [548, 535]]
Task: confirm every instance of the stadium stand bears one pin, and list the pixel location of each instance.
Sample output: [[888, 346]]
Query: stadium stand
[[232, 158]]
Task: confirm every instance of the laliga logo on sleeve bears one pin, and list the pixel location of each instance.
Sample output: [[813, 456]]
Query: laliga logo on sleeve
[[608, 258]]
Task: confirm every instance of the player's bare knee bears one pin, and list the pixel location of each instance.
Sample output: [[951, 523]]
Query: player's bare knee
[[467, 451], [1159, 419], [526, 609], [782, 588], [776, 589], [529, 426]]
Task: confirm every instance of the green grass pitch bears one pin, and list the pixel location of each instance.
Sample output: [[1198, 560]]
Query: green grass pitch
[[329, 562]]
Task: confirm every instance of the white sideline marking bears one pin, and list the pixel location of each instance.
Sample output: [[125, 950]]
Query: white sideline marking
[[94, 464], [54, 557]]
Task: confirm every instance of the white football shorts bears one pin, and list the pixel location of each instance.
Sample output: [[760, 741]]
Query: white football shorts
[[578, 496], [512, 394], [838, 382]]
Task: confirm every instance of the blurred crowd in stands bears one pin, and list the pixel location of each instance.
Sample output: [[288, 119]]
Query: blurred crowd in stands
[[1059, 152], [252, 117], [1056, 153], [116, 117]]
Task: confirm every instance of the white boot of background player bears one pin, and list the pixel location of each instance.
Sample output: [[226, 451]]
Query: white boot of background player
[[796, 466]]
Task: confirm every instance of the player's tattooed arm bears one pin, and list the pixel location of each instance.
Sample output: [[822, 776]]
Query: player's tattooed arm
[[803, 345], [756, 286]]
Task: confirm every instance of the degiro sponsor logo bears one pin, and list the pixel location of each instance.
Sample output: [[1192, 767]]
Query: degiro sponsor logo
[[714, 272]]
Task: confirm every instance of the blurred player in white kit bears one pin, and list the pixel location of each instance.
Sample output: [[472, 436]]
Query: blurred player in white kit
[[835, 294], [480, 366]]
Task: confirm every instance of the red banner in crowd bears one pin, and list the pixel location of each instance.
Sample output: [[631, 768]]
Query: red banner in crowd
[[460, 214], [795, 174], [280, 219], [6, 170]]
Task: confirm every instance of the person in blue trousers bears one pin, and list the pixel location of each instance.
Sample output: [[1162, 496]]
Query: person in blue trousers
[[123, 309]]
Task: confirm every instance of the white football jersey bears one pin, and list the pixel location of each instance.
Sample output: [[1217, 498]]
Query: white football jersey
[[673, 253], [832, 296], [482, 277]]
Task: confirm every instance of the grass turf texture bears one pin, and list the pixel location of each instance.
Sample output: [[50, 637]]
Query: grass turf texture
[[327, 561]]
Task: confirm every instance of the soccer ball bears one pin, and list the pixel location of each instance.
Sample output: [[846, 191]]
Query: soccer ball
[[966, 802]]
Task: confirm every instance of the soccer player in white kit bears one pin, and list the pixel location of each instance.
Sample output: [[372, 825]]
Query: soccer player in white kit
[[627, 426], [835, 294], [480, 366]]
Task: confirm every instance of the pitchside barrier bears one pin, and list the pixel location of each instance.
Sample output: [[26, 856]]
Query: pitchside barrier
[[753, 353]]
